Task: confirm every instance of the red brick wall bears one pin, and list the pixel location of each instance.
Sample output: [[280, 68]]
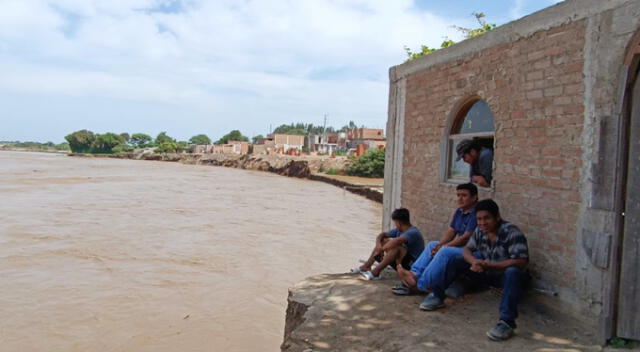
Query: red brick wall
[[534, 89]]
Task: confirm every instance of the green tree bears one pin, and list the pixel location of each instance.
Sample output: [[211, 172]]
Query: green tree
[[467, 32], [104, 143], [167, 147], [255, 138], [125, 137], [80, 141], [200, 139], [163, 138], [140, 140], [234, 135], [371, 164]]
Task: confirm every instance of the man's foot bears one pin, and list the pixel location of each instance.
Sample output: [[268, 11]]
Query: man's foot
[[368, 275], [401, 290], [357, 270], [502, 331], [456, 290], [432, 302]]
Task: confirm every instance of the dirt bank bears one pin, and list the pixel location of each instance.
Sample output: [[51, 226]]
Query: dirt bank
[[293, 166], [344, 313]]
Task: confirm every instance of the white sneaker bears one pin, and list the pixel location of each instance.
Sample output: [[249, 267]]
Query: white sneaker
[[367, 275]]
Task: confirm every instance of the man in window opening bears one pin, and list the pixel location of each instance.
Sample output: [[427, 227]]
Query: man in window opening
[[496, 255], [460, 230], [480, 160], [399, 247]]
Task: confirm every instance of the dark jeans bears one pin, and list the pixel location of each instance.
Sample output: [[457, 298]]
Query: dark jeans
[[511, 281]]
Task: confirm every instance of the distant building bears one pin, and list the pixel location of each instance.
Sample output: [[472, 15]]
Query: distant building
[[328, 143], [362, 139], [232, 147], [277, 143]]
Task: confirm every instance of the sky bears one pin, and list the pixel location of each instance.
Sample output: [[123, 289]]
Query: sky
[[210, 66]]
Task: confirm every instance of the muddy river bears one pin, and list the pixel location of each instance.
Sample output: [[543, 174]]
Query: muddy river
[[121, 255]]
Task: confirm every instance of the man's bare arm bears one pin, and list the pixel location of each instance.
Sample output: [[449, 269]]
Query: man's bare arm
[[396, 242], [480, 180], [459, 241], [504, 264]]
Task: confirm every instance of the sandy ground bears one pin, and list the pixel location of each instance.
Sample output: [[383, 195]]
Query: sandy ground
[[347, 314]]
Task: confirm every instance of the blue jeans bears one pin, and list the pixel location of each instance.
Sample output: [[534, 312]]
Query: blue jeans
[[511, 281], [425, 265]]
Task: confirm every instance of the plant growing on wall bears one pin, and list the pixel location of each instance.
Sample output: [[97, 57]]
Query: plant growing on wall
[[468, 34]]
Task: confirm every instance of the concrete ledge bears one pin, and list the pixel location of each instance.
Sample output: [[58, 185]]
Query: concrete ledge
[[344, 313]]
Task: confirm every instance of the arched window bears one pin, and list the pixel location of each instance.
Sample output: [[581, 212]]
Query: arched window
[[474, 120]]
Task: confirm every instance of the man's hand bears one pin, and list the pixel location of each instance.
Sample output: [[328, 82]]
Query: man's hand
[[479, 266], [480, 180], [436, 249]]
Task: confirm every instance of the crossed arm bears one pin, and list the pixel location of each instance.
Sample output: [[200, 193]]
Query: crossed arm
[[480, 265]]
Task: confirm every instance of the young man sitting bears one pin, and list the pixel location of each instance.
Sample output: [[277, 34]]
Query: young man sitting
[[399, 247], [496, 255], [460, 229]]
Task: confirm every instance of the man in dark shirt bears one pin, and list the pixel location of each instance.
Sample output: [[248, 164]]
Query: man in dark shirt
[[496, 254], [400, 246], [460, 230], [480, 160]]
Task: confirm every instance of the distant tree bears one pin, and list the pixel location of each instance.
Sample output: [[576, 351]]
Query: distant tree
[[234, 135], [163, 138], [255, 138], [81, 141], [200, 139], [140, 140], [104, 143], [62, 146], [167, 147], [125, 137]]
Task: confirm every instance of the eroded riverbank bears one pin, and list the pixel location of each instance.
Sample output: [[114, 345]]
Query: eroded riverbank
[[119, 255]]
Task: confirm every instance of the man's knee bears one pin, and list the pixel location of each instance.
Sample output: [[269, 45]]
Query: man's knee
[[514, 272], [449, 252]]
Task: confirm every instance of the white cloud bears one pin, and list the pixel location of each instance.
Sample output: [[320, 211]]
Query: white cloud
[[242, 61]]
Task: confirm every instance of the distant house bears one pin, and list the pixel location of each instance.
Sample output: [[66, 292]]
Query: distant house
[[366, 138], [327, 143], [232, 147], [277, 143]]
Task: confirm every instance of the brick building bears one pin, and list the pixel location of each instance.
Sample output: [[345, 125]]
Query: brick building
[[552, 94]]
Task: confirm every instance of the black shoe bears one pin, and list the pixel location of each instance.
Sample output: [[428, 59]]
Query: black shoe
[[502, 331]]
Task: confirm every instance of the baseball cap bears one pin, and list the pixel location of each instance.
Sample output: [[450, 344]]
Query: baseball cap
[[463, 147]]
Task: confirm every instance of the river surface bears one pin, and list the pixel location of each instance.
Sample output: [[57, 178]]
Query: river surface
[[123, 255]]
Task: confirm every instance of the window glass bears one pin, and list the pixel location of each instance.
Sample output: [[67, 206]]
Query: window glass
[[478, 119], [457, 169]]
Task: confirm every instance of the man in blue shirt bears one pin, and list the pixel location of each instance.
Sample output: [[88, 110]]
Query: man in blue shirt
[[460, 229], [480, 160], [399, 247]]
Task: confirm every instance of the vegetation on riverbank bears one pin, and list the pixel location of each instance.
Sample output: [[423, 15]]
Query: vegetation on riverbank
[[370, 164], [35, 146]]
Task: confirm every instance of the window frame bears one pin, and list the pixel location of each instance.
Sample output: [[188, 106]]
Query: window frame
[[454, 122]]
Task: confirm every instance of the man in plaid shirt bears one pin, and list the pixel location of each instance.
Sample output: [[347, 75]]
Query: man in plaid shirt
[[496, 255]]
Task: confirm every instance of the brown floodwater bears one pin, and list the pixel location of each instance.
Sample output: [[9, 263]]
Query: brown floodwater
[[123, 255]]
